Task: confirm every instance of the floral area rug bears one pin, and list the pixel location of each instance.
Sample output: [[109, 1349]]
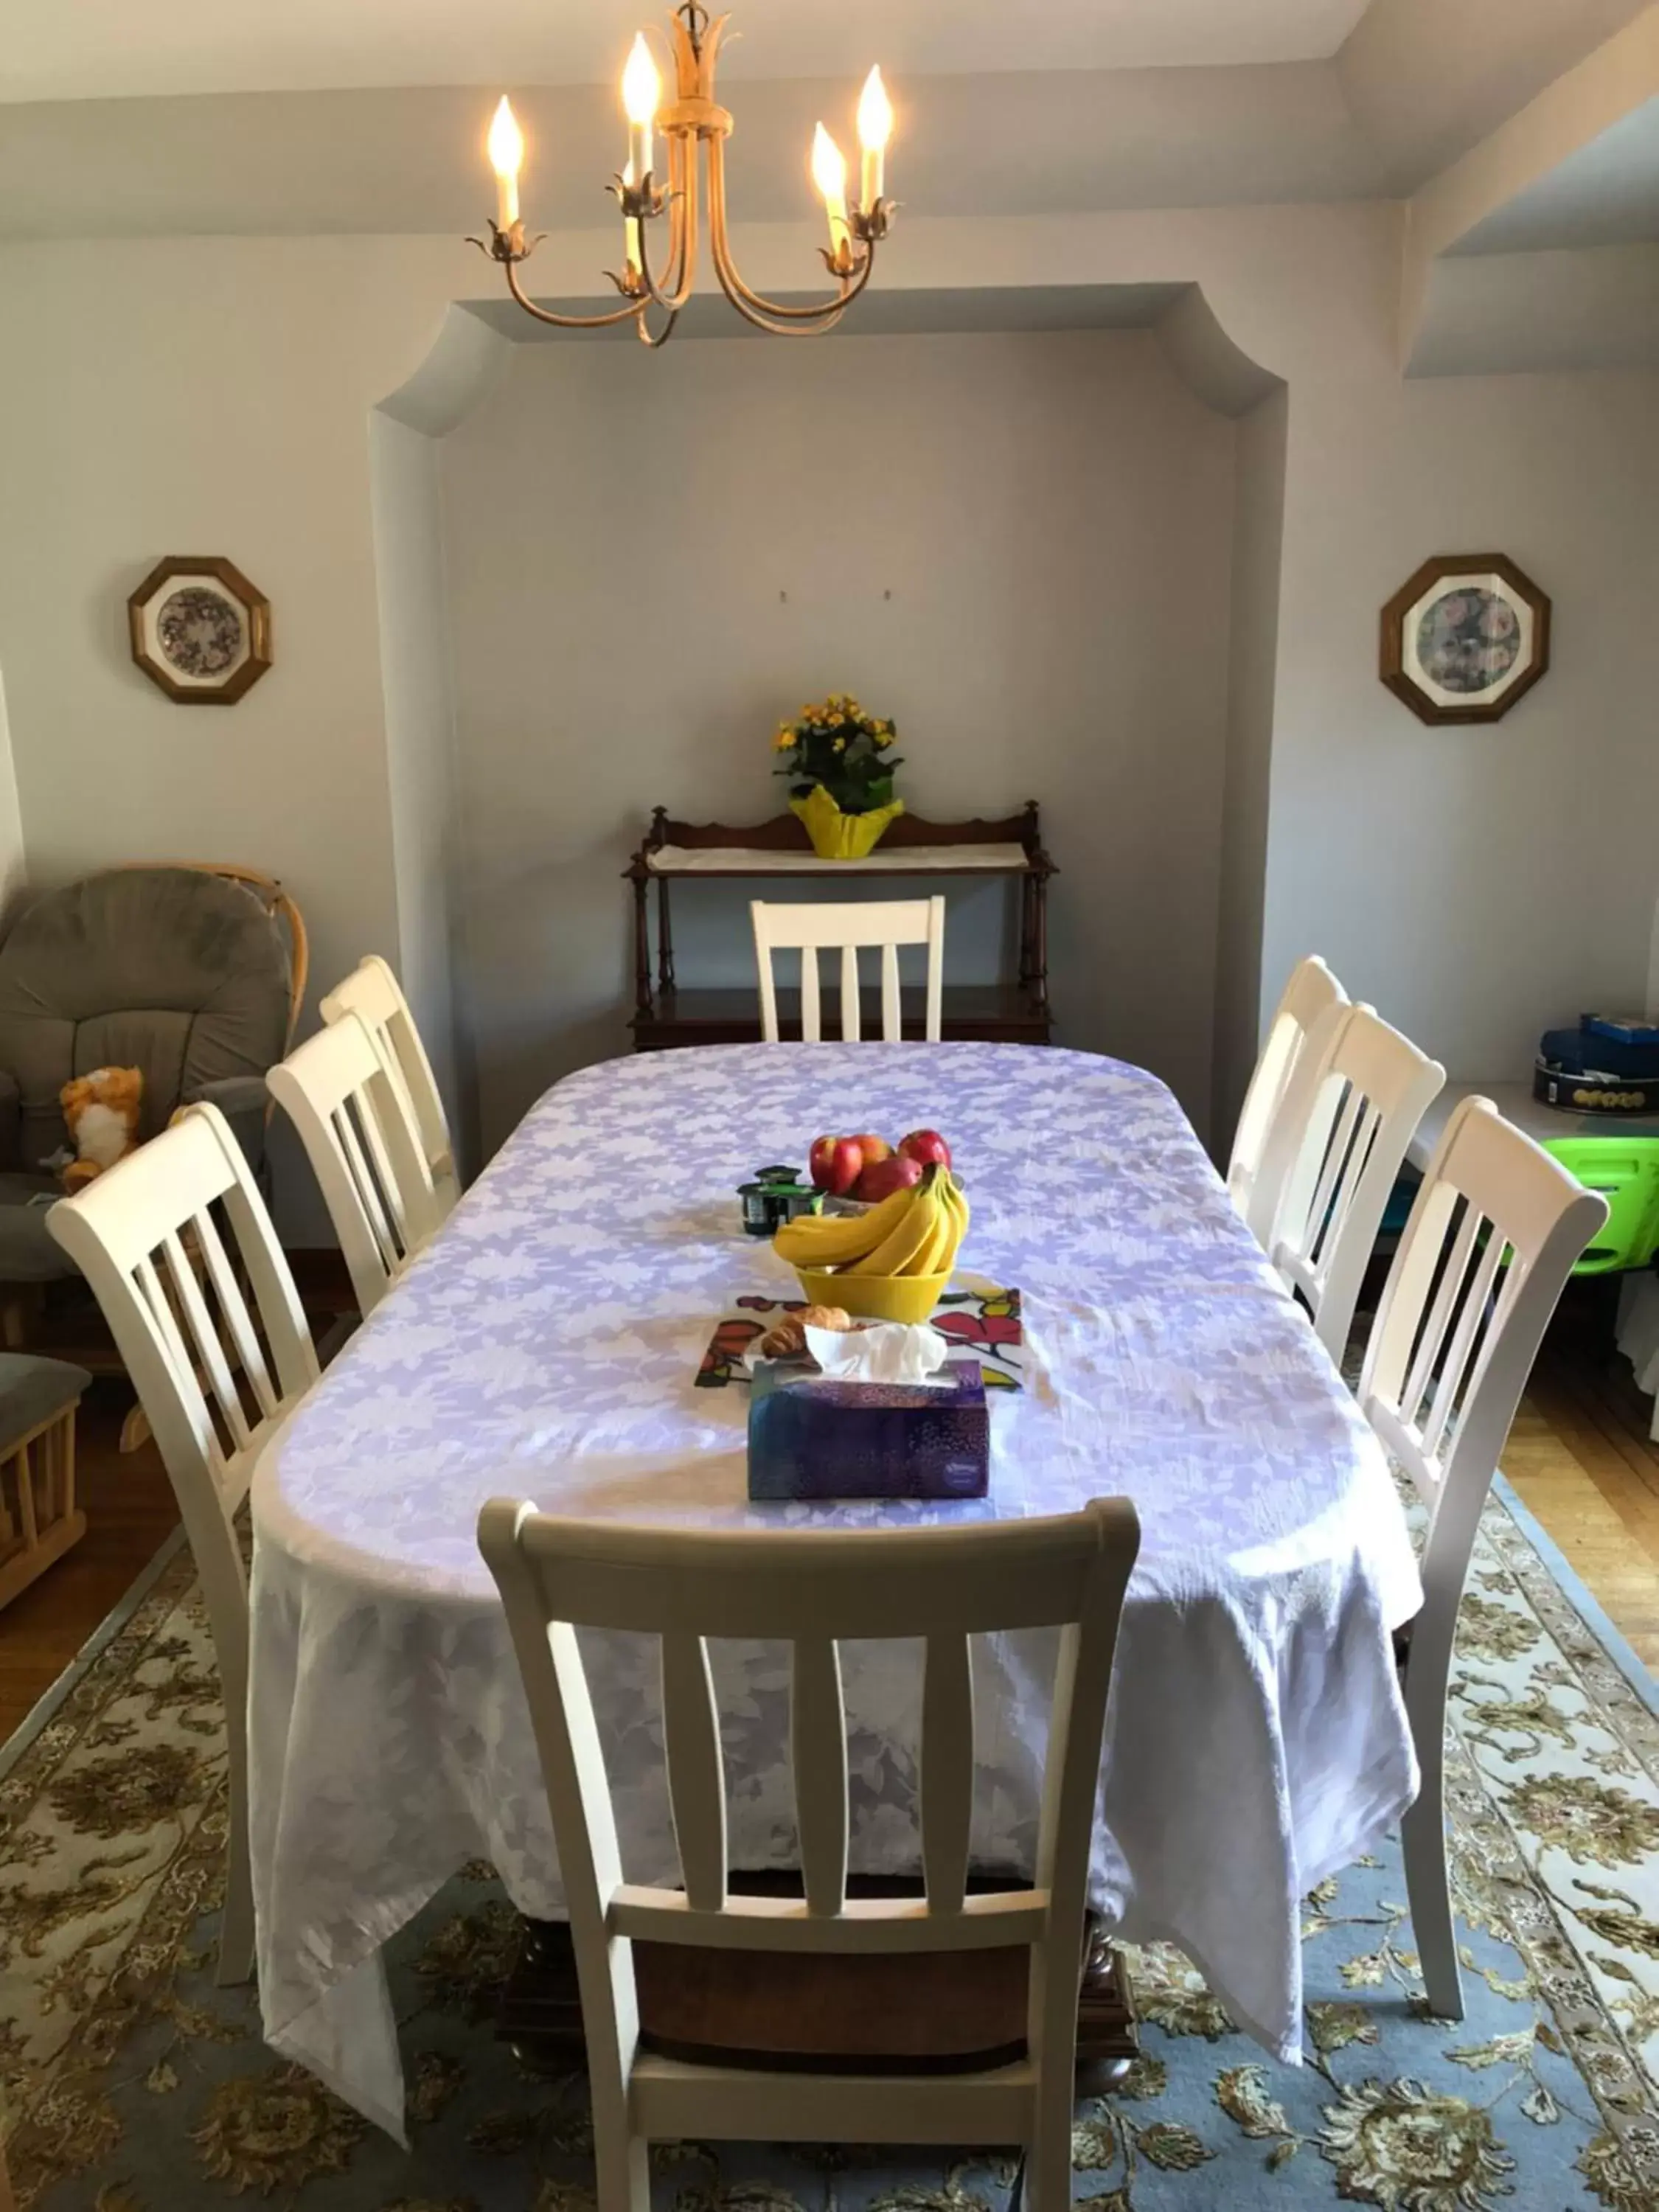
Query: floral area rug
[[133, 2084]]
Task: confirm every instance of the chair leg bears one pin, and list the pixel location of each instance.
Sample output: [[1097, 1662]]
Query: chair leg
[[236, 1929], [1423, 1834], [1045, 2177], [623, 2164], [136, 1430]]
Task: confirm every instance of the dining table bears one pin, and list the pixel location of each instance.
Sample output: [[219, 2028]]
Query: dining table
[[546, 1346]]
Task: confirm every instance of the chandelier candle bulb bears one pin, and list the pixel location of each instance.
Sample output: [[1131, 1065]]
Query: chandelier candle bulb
[[631, 246], [875, 128], [642, 88], [829, 175], [506, 158]]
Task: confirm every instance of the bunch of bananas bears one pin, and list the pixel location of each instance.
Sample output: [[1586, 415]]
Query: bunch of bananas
[[916, 1232]]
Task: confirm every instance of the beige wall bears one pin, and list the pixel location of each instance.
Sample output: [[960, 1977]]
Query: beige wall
[[1252, 658], [157, 397], [1479, 884], [1016, 545]]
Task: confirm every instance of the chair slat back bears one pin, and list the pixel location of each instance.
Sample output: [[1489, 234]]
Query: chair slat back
[[697, 1773], [372, 993], [811, 1590], [1263, 1143], [947, 1768], [1496, 1228], [1366, 1094], [887, 924], [146, 1237], [180, 1253], [364, 1150]]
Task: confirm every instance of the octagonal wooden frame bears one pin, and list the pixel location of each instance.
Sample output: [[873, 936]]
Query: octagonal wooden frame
[[241, 679], [1392, 667]]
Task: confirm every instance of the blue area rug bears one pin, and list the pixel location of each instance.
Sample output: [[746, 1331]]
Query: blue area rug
[[133, 2084]]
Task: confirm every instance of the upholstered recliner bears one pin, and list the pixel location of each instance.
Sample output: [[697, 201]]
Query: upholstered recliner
[[193, 975]]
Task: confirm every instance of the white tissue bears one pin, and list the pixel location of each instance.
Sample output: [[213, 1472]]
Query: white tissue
[[886, 1351]]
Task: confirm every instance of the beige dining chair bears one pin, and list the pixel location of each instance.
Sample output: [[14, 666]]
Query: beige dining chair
[[372, 993], [210, 1325], [1366, 1094], [887, 923], [809, 1589], [1264, 1143], [1496, 1229], [364, 1151]]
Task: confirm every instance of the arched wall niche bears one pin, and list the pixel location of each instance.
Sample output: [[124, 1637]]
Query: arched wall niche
[[510, 819]]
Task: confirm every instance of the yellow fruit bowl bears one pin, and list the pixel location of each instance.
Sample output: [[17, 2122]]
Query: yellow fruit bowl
[[875, 1297]]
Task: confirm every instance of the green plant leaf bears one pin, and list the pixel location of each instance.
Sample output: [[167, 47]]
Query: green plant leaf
[[1501, 2051], [1335, 2025], [1094, 2143], [1539, 2106], [1169, 2146], [1242, 2094]]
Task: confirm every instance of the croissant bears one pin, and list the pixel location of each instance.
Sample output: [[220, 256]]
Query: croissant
[[788, 1339]]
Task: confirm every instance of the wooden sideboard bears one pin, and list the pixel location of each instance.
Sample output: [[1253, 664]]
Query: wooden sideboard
[[1014, 1012]]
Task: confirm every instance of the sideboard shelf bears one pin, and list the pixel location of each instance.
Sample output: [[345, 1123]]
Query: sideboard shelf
[[666, 1017]]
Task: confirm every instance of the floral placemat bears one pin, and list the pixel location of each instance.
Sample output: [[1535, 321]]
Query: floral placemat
[[985, 1322]]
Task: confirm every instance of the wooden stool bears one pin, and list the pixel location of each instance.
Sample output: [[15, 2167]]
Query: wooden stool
[[38, 1518]]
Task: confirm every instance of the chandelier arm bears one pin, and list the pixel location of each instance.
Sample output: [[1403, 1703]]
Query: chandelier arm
[[682, 247], [663, 335], [787, 322], [823, 314], [565, 322], [763, 321]]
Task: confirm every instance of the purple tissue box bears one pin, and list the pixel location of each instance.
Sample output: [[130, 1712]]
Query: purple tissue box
[[812, 1438]]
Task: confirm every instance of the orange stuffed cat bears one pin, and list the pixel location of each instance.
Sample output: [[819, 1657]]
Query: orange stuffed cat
[[101, 1110]]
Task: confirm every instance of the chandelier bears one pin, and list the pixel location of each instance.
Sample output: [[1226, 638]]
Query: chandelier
[[690, 120]]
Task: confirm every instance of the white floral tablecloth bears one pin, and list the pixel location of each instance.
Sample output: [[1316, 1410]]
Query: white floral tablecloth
[[546, 1347]]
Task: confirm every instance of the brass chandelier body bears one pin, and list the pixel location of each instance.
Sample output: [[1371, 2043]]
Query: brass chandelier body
[[696, 128]]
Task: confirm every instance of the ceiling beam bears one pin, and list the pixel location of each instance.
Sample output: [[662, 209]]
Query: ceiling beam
[[1568, 115]]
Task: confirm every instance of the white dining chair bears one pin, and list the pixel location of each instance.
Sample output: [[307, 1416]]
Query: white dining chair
[[372, 993], [1263, 1143], [1365, 1094], [808, 1588], [365, 1152], [210, 1329], [887, 923], [1496, 1231]]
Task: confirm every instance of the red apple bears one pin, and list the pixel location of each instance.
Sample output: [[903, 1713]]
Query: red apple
[[835, 1164], [925, 1145], [880, 1180], [874, 1148]]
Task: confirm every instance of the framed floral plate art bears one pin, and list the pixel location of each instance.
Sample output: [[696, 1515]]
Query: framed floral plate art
[[1464, 637], [199, 629]]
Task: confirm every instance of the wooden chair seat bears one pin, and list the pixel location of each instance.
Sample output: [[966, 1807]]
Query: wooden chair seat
[[944, 2013]]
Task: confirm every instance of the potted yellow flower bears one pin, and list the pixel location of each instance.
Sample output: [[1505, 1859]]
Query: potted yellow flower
[[841, 771]]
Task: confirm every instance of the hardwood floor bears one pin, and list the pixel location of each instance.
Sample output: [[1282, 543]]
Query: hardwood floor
[[130, 1511], [1579, 1456], [129, 1505]]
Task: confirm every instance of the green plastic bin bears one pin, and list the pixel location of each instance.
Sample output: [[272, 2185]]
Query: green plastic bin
[[1625, 1170]]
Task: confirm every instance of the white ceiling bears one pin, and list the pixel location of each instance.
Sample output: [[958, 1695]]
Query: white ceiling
[[113, 49], [413, 161]]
